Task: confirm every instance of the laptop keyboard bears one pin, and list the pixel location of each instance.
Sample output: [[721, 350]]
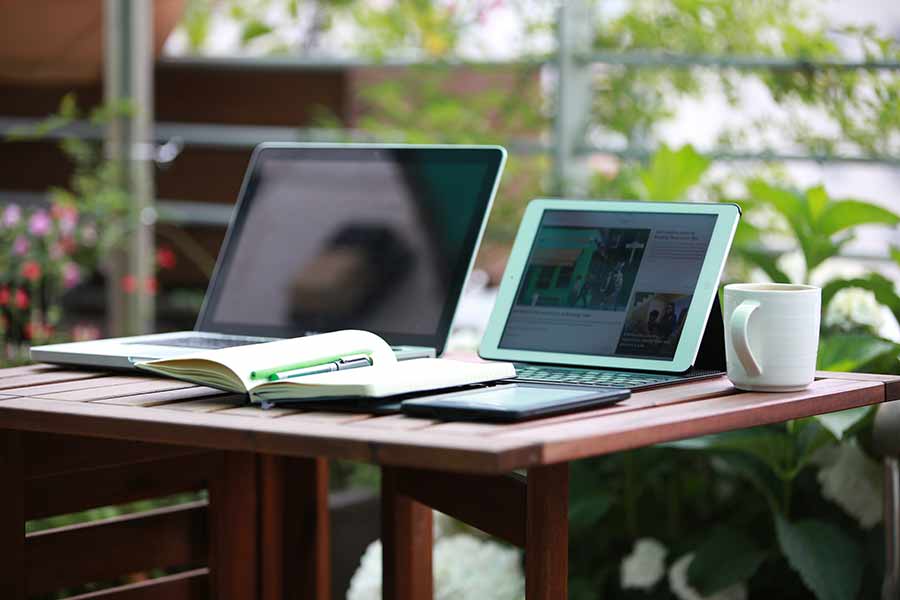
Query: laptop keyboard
[[589, 377], [204, 342]]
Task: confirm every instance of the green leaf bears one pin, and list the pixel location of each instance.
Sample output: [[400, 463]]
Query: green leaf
[[827, 560], [254, 29], [838, 423], [895, 254], [764, 261], [844, 214], [850, 352], [673, 172], [785, 202], [771, 446], [588, 509], [708, 573], [816, 201]]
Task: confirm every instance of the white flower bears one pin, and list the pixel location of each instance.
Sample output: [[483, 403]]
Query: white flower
[[464, 567], [678, 582], [644, 566], [855, 307], [854, 482], [366, 581]]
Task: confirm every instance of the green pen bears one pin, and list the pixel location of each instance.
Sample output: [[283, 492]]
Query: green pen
[[321, 361]]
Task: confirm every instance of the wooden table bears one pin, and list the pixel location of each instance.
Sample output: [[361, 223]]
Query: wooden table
[[275, 465]]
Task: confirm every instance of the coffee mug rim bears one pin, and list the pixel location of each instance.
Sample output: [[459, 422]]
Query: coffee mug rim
[[783, 288]]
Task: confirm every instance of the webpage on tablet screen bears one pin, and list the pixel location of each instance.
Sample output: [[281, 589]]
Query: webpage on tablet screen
[[608, 283]]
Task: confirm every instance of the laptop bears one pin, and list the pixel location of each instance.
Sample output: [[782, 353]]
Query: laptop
[[334, 236], [613, 294]]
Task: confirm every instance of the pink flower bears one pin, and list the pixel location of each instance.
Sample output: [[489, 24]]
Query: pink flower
[[31, 270], [12, 214], [21, 245], [39, 224], [128, 283], [165, 258], [66, 216], [57, 251], [21, 299], [71, 275]]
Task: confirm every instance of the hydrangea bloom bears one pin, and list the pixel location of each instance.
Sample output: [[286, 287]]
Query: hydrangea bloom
[[12, 214], [853, 481], [645, 566], [465, 567], [678, 582], [855, 307], [20, 245], [71, 275], [39, 223]]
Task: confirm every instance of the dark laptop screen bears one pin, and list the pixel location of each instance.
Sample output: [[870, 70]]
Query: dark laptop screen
[[609, 283], [337, 238]]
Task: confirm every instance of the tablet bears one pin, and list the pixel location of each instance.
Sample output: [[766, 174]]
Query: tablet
[[510, 402], [611, 284]]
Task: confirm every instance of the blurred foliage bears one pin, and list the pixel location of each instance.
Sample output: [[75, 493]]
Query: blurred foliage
[[862, 106], [55, 246]]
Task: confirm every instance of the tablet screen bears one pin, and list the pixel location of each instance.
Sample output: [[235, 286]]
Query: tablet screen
[[609, 283]]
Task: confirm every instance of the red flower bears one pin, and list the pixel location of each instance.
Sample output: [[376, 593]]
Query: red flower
[[165, 257], [4, 296], [21, 299], [31, 270], [151, 286], [129, 284]]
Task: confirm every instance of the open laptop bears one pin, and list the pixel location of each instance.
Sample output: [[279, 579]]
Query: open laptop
[[613, 294], [334, 236]]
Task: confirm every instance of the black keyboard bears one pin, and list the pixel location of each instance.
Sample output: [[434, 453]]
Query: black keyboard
[[205, 343], [590, 377]]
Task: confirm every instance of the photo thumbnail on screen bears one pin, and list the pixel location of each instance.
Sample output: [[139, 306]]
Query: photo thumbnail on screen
[[583, 267], [653, 324]]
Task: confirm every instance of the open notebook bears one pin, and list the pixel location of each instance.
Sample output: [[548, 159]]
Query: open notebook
[[274, 371]]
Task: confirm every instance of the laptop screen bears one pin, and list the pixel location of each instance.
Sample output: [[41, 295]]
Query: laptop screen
[[609, 283], [329, 238]]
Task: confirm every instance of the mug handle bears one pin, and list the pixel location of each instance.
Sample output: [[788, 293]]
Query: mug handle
[[738, 324]]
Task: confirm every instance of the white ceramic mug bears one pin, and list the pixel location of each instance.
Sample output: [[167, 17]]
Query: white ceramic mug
[[771, 335]]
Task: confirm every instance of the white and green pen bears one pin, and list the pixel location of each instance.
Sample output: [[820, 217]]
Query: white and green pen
[[342, 364]]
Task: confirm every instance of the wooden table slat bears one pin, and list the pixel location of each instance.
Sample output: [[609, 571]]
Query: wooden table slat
[[117, 391], [25, 369], [151, 399], [395, 422], [249, 410], [206, 405], [15, 383], [318, 416], [97, 381]]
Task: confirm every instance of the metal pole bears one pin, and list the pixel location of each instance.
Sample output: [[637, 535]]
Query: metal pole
[[129, 79], [573, 106]]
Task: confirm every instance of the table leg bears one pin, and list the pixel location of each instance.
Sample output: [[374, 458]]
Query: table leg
[[233, 528], [12, 516], [406, 538], [547, 533], [295, 546]]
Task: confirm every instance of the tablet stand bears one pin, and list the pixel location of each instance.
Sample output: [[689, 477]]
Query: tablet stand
[[711, 355]]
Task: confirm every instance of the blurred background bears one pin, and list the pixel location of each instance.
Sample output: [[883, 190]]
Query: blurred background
[[127, 127]]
